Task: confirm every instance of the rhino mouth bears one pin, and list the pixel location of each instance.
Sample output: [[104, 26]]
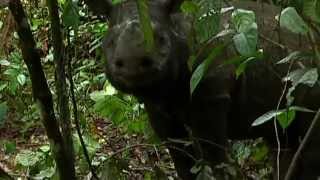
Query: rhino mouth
[[131, 83]]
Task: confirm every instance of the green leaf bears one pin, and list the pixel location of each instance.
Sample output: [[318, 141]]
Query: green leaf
[[45, 148], [3, 112], [247, 38], [202, 69], [113, 108], [307, 76], [205, 174], [115, 2], [242, 67], [286, 118], [311, 8], [285, 123], [189, 7], [207, 22], [136, 126], [291, 20], [46, 173], [9, 147], [145, 23], [28, 158], [266, 117], [21, 79], [4, 62], [243, 20], [98, 95], [70, 16]]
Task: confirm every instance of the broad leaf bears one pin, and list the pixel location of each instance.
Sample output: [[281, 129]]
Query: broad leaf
[[311, 8], [266, 117], [291, 20], [307, 76], [207, 19], [275, 113], [247, 37], [242, 67], [70, 16], [202, 69], [286, 118]]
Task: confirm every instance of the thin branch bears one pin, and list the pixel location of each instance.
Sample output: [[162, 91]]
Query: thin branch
[[305, 140], [76, 119]]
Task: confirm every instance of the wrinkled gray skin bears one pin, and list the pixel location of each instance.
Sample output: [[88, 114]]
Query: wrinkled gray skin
[[222, 106]]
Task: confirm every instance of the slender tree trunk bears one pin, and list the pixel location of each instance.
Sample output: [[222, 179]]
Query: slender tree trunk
[[61, 85], [41, 91]]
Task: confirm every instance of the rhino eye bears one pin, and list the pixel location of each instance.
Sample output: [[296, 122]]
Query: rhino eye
[[161, 39]]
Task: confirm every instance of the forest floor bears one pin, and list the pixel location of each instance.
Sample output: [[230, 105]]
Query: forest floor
[[133, 155]]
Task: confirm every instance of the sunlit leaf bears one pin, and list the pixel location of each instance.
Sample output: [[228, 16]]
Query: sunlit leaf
[[28, 158], [4, 62], [21, 79], [246, 39]]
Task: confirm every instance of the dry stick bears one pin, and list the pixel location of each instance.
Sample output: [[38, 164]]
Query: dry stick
[[76, 120], [305, 140]]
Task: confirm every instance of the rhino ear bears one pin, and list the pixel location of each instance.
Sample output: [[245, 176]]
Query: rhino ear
[[172, 5], [99, 7]]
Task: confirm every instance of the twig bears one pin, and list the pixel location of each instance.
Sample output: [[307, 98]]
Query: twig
[[274, 42], [305, 140], [167, 144], [76, 119], [275, 124]]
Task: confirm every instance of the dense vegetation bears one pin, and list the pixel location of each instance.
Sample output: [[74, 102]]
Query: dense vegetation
[[119, 144]]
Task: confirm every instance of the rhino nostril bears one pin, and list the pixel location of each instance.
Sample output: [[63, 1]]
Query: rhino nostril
[[119, 63], [146, 62]]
